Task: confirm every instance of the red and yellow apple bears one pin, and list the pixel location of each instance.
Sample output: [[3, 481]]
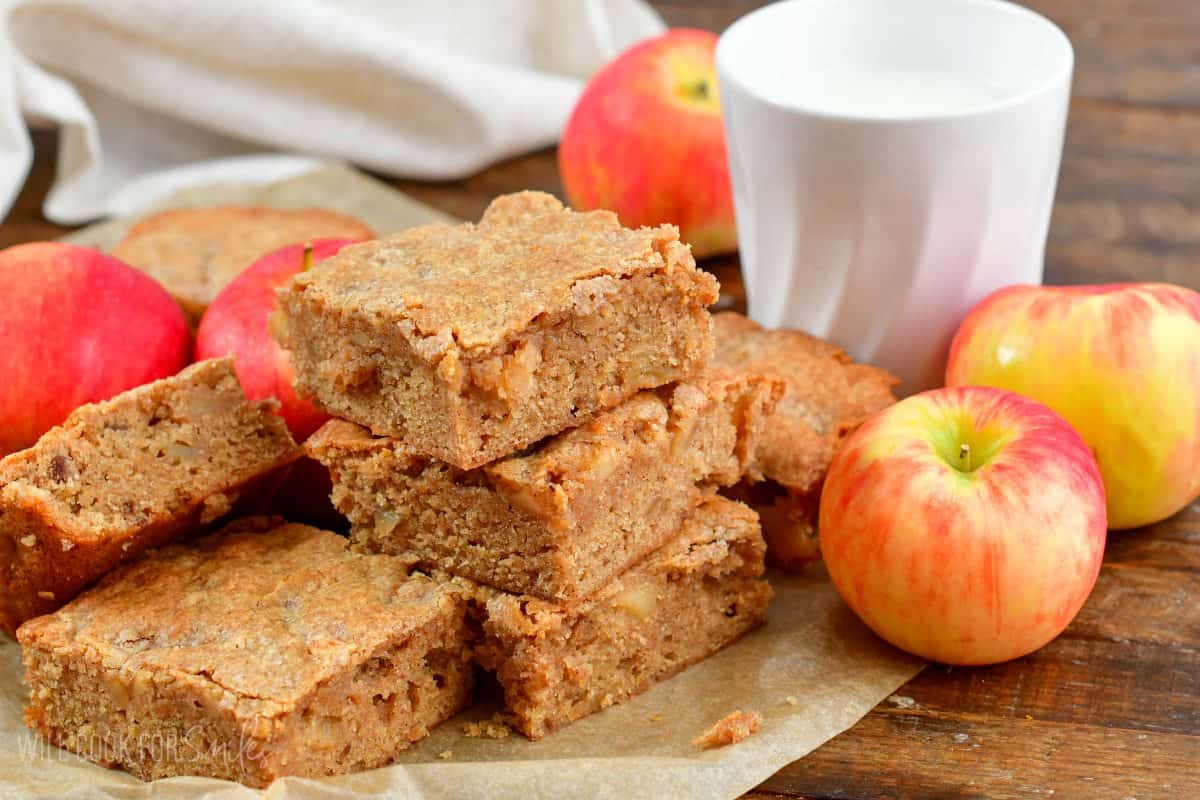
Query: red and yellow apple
[[77, 326], [965, 525], [237, 323], [645, 140], [1121, 363]]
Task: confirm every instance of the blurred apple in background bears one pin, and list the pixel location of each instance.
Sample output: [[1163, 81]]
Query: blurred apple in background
[[237, 323], [77, 326], [1121, 363], [645, 140], [964, 525]]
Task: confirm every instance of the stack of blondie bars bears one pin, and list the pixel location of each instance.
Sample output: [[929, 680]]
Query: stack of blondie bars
[[530, 440], [529, 410]]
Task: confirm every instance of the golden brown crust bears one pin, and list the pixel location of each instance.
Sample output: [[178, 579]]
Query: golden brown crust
[[196, 252], [280, 651], [827, 397], [265, 615], [475, 286]]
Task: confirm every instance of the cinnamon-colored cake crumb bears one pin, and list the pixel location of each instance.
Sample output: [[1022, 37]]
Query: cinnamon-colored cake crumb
[[685, 601], [195, 252], [471, 342], [561, 520], [827, 397], [494, 728], [117, 477], [737, 726], [249, 655]]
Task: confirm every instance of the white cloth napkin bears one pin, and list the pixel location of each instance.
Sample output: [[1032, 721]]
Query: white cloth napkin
[[155, 95]]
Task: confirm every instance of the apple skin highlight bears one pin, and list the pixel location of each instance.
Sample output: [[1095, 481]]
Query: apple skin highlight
[[238, 323], [1120, 362], [645, 140], [78, 327], [964, 563]]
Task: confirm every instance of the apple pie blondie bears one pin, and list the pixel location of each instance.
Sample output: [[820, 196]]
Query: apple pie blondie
[[562, 519], [827, 397], [132, 472], [685, 601], [195, 252], [471, 342], [248, 655]]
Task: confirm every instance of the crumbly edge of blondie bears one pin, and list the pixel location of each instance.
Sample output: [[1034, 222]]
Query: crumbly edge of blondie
[[129, 473], [164, 723], [828, 396], [684, 602], [470, 407], [561, 520], [788, 518]]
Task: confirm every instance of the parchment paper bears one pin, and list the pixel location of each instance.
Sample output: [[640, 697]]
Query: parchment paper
[[812, 671]]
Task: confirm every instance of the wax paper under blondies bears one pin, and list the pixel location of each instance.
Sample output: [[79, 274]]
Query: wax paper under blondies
[[811, 672]]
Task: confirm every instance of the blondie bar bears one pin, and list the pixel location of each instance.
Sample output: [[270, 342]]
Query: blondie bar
[[126, 474], [195, 252], [561, 520], [249, 655], [827, 397], [471, 342], [685, 601]]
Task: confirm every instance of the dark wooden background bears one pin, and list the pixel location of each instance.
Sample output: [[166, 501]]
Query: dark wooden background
[[1111, 709]]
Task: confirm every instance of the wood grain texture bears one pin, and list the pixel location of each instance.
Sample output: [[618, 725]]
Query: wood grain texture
[[1111, 709]]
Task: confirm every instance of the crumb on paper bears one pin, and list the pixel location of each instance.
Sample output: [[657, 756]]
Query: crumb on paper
[[900, 701], [1029, 716], [493, 728], [656, 717], [445, 754], [736, 726], [28, 541], [792, 700]]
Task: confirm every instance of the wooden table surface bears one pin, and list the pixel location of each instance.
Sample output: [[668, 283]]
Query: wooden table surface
[[1111, 709]]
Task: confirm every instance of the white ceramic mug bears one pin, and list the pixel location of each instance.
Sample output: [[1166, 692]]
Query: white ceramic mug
[[893, 162]]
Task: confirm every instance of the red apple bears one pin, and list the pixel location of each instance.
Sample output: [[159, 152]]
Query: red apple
[[1120, 362], [964, 525], [237, 323], [645, 140], [78, 327]]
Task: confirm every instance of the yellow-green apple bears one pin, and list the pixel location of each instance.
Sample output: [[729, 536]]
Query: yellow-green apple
[[645, 140], [965, 525], [238, 320], [1120, 362], [77, 326]]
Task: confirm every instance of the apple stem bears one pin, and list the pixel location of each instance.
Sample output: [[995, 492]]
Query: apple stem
[[306, 264], [964, 454]]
